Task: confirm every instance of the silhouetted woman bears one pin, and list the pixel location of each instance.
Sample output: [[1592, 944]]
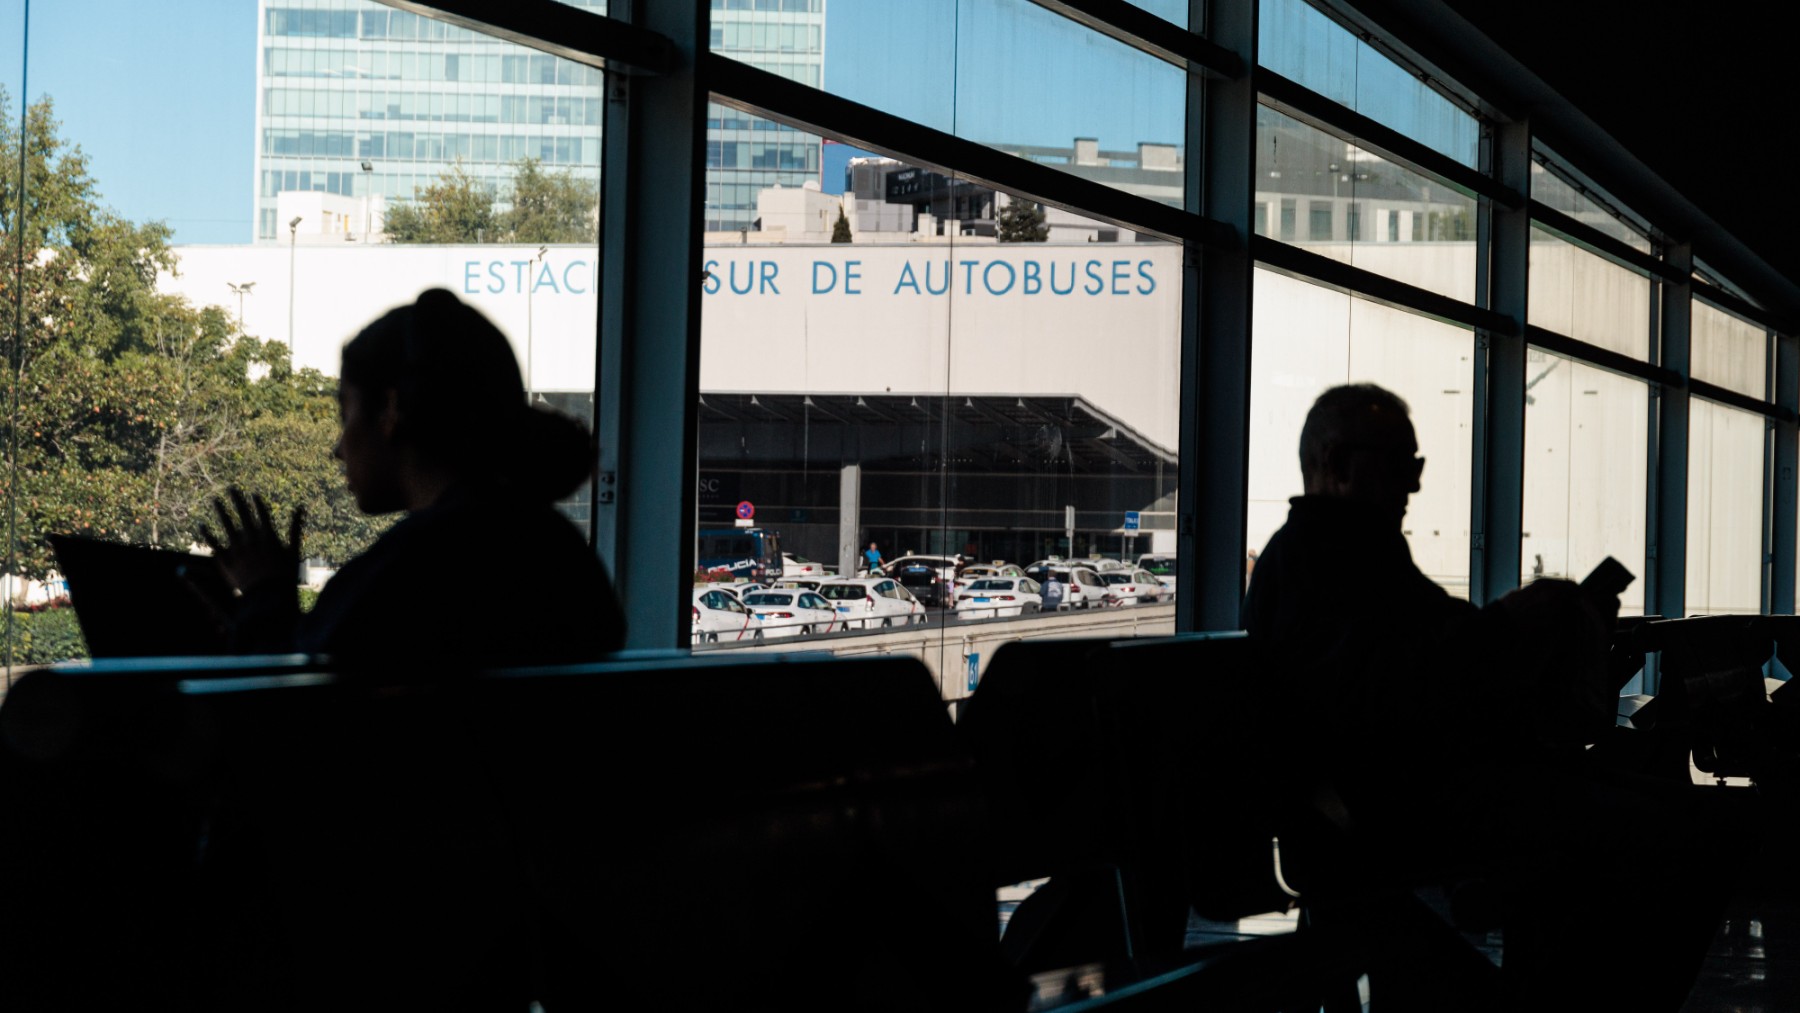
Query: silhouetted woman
[[482, 570]]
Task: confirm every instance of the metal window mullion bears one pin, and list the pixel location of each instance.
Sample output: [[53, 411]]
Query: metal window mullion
[[1498, 507], [1670, 564], [648, 361], [1727, 302], [1784, 539], [1136, 27], [1216, 327], [607, 41]]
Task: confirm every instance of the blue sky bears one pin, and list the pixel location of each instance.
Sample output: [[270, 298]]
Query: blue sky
[[164, 106]]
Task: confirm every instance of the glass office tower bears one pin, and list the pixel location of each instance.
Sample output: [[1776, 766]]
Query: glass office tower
[[359, 100]]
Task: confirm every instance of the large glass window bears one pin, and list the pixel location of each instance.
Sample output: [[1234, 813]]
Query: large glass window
[[1309, 338], [1364, 210], [1006, 73], [1298, 41], [1726, 454], [1585, 296], [1557, 187], [190, 289], [1729, 351], [946, 372], [1586, 463]]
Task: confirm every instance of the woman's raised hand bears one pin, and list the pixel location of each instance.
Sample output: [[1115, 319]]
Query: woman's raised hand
[[248, 547]]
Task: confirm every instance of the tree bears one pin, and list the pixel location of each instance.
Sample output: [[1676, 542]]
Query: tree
[[458, 208], [550, 207], [546, 207], [1022, 221], [840, 230], [133, 408]]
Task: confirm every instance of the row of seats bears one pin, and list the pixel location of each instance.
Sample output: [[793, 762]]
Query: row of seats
[[669, 832]]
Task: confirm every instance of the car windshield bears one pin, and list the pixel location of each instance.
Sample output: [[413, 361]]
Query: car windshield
[[841, 592], [1116, 577], [916, 576], [992, 585], [1162, 566], [766, 598]]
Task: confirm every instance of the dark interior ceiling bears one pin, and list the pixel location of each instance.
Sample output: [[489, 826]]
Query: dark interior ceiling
[[1701, 94]]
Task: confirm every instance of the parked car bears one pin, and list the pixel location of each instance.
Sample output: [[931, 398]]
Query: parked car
[[989, 597], [1082, 587], [976, 571], [791, 612], [719, 616], [799, 566], [931, 579], [739, 588], [1131, 587], [868, 602]]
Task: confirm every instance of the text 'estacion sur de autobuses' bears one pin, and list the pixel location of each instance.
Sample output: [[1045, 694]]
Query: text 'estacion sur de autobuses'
[[1048, 276]]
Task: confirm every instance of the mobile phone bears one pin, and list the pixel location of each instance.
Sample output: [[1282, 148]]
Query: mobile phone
[[1608, 580]]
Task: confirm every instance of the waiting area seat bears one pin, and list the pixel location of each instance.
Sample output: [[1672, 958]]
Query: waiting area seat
[[661, 833]]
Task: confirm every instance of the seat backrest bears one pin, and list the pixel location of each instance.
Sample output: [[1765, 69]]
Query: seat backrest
[[651, 834], [1035, 729], [1196, 724]]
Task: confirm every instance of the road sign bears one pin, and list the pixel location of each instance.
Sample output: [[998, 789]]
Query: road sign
[[746, 510], [974, 671], [1131, 520]]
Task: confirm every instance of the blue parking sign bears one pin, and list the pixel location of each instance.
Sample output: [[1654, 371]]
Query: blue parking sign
[[974, 671], [1131, 520]]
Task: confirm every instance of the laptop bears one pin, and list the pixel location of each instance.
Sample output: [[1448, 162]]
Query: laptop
[[135, 602]]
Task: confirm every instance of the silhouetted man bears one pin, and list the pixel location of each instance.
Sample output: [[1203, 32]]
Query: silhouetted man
[[1455, 735]]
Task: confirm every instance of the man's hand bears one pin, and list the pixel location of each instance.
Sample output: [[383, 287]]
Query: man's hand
[[248, 548]]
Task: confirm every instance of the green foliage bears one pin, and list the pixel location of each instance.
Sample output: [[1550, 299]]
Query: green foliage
[[840, 230], [40, 638], [458, 208], [1022, 221], [546, 207], [135, 408], [550, 207]]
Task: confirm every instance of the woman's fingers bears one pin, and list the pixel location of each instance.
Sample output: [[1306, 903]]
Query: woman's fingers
[[296, 525]]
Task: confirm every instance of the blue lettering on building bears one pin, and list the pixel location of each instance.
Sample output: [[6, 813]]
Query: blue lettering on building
[[998, 277]]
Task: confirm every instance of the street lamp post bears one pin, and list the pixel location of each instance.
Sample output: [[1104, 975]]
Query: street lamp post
[[529, 288], [368, 169], [240, 290], [293, 245]]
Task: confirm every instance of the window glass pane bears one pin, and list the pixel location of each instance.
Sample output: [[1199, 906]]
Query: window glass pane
[[1362, 209], [1583, 204], [303, 197], [894, 376], [1297, 41], [1308, 339], [1729, 351], [1725, 510], [1006, 73], [1586, 434], [1583, 296]]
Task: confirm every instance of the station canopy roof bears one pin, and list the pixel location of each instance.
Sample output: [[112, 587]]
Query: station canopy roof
[[1062, 430]]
